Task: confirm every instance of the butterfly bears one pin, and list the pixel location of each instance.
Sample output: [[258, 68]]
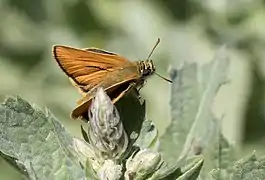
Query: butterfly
[[91, 68]]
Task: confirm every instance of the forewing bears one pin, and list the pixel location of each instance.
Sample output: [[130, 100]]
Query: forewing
[[88, 67]]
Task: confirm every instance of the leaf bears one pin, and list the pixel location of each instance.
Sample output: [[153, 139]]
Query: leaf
[[184, 103], [148, 135], [220, 159], [249, 168], [38, 141], [192, 93], [193, 170], [166, 172], [84, 134], [132, 113], [90, 174], [16, 164]]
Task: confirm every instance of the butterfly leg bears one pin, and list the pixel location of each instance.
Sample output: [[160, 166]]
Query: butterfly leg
[[136, 93], [130, 87], [141, 84]]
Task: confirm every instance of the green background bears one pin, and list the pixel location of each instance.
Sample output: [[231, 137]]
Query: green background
[[190, 31]]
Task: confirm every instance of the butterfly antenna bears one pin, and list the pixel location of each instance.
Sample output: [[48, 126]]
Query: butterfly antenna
[[157, 42], [168, 80]]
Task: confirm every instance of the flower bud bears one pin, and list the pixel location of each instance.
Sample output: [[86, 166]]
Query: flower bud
[[142, 165], [106, 132], [110, 171]]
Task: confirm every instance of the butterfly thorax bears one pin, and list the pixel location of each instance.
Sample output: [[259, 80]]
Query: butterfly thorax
[[146, 68]]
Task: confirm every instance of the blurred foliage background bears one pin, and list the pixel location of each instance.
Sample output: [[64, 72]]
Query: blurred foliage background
[[190, 31]]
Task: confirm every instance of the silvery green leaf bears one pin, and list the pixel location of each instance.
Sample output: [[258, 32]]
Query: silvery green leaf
[[38, 141], [192, 170], [193, 91], [85, 152], [184, 104], [148, 135], [16, 164], [249, 168], [89, 170], [166, 172], [220, 157]]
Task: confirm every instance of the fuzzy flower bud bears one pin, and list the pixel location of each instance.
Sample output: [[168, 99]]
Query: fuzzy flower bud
[[110, 171], [143, 164], [106, 132]]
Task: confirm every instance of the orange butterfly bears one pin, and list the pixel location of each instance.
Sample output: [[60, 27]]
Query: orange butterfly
[[91, 68]]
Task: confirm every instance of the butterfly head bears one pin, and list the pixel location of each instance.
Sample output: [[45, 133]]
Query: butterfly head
[[146, 68]]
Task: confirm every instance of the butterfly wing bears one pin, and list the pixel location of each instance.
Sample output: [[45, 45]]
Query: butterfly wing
[[91, 68], [115, 93], [86, 68], [115, 86]]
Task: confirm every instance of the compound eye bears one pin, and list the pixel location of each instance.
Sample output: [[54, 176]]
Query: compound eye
[[146, 72]]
